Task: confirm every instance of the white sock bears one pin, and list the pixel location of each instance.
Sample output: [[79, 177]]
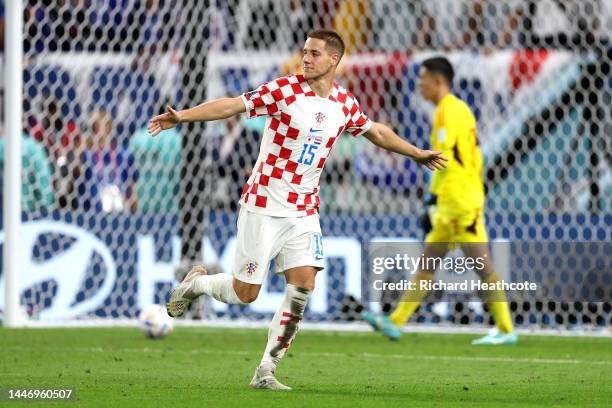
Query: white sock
[[218, 286], [284, 325]]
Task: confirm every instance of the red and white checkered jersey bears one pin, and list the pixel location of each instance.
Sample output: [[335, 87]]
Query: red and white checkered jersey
[[300, 133]]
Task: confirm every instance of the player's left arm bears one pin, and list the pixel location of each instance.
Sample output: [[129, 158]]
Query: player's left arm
[[383, 136]]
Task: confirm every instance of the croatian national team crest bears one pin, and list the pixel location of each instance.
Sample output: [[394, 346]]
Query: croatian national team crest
[[250, 268], [320, 118]]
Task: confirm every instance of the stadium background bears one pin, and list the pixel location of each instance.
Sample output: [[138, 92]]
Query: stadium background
[[101, 220]]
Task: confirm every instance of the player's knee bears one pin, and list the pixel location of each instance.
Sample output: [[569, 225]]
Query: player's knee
[[247, 297], [302, 277], [308, 284], [247, 293]]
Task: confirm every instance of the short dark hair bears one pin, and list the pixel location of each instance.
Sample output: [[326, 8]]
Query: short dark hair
[[332, 39], [440, 66]]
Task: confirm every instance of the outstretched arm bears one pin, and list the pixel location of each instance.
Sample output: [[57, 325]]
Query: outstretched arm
[[386, 138], [213, 110]]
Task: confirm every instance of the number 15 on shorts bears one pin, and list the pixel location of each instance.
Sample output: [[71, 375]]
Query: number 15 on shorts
[[316, 243]]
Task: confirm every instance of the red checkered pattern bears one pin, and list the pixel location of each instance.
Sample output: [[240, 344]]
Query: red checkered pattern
[[357, 122], [280, 185], [270, 98]]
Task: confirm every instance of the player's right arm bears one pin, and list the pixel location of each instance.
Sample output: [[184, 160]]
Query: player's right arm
[[221, 108], [383, 136]]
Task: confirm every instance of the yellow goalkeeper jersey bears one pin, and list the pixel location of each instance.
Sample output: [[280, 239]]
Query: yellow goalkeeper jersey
[[459, 187]]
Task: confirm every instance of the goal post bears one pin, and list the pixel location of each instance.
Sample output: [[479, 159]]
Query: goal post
[[13, 97]]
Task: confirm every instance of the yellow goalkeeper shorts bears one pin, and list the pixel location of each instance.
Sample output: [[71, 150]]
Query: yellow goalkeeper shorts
[[454, 228]]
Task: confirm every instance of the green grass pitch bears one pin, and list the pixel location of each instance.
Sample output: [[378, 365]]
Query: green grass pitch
[[208, 367]]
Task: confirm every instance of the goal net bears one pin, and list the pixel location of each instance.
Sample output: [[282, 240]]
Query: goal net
[[110, 212]]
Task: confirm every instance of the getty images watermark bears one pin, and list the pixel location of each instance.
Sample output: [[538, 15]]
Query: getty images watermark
[[563, 271], [454, 263]]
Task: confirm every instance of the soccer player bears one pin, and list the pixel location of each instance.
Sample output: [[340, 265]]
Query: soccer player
[[458, 194], [279, 216]]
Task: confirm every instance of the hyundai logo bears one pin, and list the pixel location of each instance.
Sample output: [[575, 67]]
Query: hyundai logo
[[67, 268]]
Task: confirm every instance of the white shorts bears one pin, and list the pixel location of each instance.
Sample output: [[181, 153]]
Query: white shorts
[[291, 242]]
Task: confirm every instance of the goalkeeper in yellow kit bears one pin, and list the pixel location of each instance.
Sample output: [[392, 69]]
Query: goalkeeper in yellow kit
[[458, 199]]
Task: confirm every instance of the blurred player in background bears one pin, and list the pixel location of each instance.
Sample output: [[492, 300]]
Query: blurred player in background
[[279, 216], [456, 207]]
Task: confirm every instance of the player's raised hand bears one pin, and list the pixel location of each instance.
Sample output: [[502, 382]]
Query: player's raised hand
[[164, 121], [431, 159]]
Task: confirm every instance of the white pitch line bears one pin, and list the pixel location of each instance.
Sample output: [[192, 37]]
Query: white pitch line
[[330, 355]]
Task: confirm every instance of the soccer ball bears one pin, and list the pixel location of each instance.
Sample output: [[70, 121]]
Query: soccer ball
[[155, 322]]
